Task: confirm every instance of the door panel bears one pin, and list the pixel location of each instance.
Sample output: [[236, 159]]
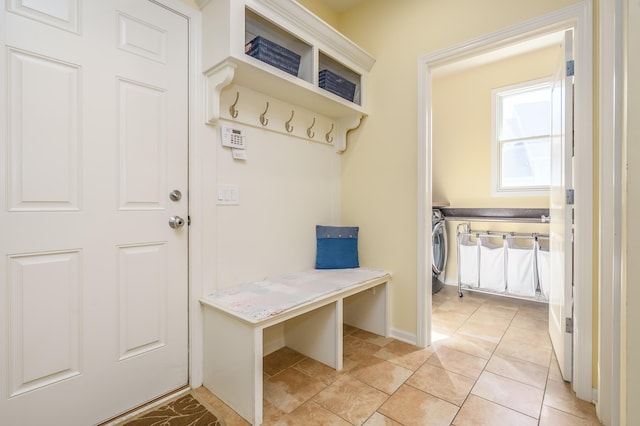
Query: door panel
[[95, 137], [561, 226]]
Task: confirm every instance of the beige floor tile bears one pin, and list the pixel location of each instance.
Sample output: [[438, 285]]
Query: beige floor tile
[[309, 413], [457, 362], [410, 406], [489, 319], [525, 351], [469, 345], [519, 370], [270, 413], [498, 308], [404, 354], [559, 395], [480, 412], [379, 420], [482, 331], [442, 383], [526, 319], [518, 396], [448, 322], [463, 306], [538, 337], [231, 418], [348, 329], [380, 374], [552, 417], [354, 346], [317, 370], [351, 399], [279, 360], [554, 370], [290, 389], [371, 337]]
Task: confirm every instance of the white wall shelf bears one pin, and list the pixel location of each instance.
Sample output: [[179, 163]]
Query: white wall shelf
[[229, 24]]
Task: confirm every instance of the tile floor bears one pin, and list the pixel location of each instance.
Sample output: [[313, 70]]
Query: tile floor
[[492, 364]]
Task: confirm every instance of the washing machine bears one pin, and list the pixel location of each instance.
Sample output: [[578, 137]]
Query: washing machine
[[439, 249]]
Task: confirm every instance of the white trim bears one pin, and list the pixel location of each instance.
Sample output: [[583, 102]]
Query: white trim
[[577, 16], [402, 336], [610, 211], [423, 276]]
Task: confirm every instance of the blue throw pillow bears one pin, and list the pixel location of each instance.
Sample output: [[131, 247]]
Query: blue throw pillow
[[337, 247]]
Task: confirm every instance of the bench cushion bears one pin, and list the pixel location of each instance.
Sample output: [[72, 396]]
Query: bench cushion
[[257, 301]]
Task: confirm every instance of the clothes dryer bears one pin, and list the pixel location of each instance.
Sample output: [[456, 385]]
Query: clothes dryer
[[439, 249]]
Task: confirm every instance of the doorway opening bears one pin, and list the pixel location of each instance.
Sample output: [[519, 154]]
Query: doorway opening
[[514, 39]]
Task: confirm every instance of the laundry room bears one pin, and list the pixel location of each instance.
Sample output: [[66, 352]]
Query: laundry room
[[491, 169]]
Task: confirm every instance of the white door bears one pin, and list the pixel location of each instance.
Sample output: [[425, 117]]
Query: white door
[[561, 227], [93, 121]]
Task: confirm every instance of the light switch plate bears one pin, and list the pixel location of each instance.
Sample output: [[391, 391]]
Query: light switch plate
[[228, 195]]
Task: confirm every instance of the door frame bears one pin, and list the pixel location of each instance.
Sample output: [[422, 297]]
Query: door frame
[[578, 17], [611, 116]]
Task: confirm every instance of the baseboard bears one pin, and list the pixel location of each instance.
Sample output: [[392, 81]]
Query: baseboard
[[272, 346], [403, 336]]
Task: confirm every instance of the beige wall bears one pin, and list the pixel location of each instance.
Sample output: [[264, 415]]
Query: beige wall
[[379, 171], [462, 129], [462, 140], [321, 10]]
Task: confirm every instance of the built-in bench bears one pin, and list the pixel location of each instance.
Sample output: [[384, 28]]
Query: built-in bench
[[312, 306]]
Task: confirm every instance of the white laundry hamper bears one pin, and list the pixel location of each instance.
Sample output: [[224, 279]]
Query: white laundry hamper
[[468, 261], [492, 265], [521, 270], [543, 263]]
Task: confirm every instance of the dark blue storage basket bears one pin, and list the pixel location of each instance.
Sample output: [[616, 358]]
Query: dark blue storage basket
[[273, 54], [336, 84]]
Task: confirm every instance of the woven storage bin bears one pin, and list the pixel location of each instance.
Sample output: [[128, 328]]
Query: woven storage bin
[[336, 84], [273, 54]]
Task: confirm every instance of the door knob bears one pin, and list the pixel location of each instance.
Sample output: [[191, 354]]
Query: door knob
[[176, 222]]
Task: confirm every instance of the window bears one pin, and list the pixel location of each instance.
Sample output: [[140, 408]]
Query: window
[[522, 148]]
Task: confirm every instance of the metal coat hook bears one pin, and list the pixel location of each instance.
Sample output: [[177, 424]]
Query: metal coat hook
[[288, 125], [232, 109], [310, 133], [264, 121], [328, 136]]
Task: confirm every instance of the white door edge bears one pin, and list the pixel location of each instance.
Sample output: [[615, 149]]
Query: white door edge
[[199, 184], [579, 17]]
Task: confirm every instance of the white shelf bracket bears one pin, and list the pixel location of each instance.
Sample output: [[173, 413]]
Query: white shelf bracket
[[217, 78], [345, 124]]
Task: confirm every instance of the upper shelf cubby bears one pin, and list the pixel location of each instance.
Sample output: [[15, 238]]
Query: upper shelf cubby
[[332, 72]]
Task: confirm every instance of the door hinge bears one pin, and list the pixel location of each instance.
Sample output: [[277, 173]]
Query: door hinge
[[188, 220], [570, 196], [568, 322], [570, 68]]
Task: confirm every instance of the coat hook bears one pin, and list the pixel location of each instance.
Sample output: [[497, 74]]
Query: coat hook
[[264, 121], [232, 109], [309, 132], [328, 136], [288, 125]]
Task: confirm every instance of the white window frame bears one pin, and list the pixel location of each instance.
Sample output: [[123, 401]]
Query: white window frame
[[496, 163]]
